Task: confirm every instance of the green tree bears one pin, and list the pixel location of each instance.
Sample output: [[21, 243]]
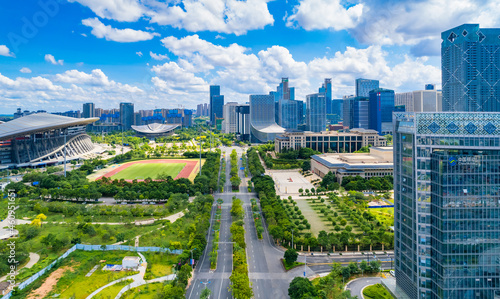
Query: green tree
[[291, 256], [301, 287], [205, 293]]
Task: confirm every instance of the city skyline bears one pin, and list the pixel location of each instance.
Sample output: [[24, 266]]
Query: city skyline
[[149, 55]]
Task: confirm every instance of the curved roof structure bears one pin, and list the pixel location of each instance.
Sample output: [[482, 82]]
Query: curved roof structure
[[155, 128], [39, 122]]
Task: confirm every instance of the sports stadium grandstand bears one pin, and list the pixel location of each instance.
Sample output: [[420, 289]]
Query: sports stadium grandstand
[[43, 139]]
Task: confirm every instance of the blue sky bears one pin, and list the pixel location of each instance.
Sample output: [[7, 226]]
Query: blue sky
[[58, 54]]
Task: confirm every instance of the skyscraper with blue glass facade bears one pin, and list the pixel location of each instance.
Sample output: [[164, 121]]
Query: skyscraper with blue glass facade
[[216, 103], [470, 67], [364, 86], [381, 106], [288, 108], [447, 204], [326, 89], [316, 112], [355, 112]]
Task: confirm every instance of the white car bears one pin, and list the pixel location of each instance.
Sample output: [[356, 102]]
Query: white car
[[392, 273]]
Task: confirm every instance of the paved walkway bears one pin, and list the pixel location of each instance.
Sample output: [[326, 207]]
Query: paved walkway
[[34, 258]]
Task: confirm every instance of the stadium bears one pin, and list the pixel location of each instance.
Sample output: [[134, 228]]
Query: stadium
[[43, 139], [155, 130]]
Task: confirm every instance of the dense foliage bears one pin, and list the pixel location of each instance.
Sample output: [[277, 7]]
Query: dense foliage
[[240, 282], [358, 183], [75, 185]]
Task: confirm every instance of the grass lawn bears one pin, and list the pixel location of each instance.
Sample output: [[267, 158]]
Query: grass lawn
[[377, 291], [159, 264], [312, 217], [151, 170], [148, 291], [112, 291], [74, 284], [384, 215], [289, 267]]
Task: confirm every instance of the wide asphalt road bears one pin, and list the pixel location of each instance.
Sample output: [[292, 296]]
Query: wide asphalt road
[[267, 275], [217, 281]]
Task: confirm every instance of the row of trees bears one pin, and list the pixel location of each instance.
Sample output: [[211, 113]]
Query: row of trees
[[240, 282], [357, 183], [76, 186], [235, 179], [256, 215], [198, 211], [280, 225]]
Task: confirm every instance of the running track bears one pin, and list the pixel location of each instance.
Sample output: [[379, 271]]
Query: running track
[[185, 172]]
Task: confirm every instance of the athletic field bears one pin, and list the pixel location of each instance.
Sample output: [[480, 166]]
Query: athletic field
[[149, 170], [141, 170]]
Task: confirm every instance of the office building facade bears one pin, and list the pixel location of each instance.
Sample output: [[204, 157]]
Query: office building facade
[[316, 112], [88, 110], [243, 122], [288, 108], [229, 124], [126, 115], [381, 106], [447, 204], [216, 103], [326, 89], [329, 141], [263, 128], [470, 67], [364, 86]]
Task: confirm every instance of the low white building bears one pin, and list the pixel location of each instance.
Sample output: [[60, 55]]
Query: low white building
[[131, 262], [379, 162]]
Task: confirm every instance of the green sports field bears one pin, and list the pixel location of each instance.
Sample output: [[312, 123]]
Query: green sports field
[[151, 170]]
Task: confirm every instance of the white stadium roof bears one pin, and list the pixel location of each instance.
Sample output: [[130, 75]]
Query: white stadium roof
[[39, 122], [155, 128]]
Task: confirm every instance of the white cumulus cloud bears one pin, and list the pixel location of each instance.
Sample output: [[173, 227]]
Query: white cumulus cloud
[[118, 35], [120, 10], [50, 58], [158, 56], [227, 16], [25, 70], [4, 51], [323, 14]]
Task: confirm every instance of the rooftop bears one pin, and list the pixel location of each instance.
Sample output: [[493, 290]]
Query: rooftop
[[155, 128]]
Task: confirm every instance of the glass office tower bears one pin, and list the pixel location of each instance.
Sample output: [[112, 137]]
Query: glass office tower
[[381, 107], [364, 86], [316, 112], [470, 67], [447, 204], [216, 103]]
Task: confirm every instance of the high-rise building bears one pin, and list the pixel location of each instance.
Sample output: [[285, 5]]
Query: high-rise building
[[326, 88], [336, 111], [229, 124], [216, 103], [300, 111], [88, 110], [126, 115], [420, 100], [380, 110], [206, 109], [364, 86], [355, 112], [316, 112], [263, 128], [288, 108], [243, 122], [470, 67], [447, 204]]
